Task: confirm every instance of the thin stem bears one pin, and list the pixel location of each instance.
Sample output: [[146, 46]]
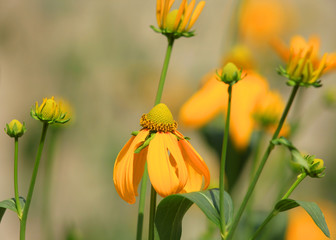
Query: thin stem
[[262, 164], [222, 165], [164, 71], [143, 187], [274, 211], [142, 203], [32, 183], [16, 188], [152, 214]]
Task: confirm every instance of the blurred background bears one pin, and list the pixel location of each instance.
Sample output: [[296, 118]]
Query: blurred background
[[104, 60]]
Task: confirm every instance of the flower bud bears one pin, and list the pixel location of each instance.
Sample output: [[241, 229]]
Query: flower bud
[[317, 168], [230, 74], [49, 112], [15, 129]]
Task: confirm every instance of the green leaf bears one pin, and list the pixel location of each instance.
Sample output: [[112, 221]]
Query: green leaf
[[310, 207], [10, 204], [172, 209]]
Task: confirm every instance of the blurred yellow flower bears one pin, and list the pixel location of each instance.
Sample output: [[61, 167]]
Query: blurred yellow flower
[[268, 110], [212, 99], [303, 62], [302, 227], [179, 20], [262, 20], [173, 164]]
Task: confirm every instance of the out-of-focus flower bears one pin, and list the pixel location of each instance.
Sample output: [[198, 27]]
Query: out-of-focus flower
[[212, 99], [241, 56], [66, 108], [173, 164], [315, 167], [329, 97], [267, 112], [302, 227], [49, 112], [15, 129], [304, 66], [262, 20], [178, 22]]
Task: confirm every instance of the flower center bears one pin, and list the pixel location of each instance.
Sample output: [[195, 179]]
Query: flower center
[[159, 119]]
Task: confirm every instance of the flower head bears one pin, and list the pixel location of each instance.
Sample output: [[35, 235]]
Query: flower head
[[304, 67], [15, 128], [178, 22], [173, 164], [49, 112]]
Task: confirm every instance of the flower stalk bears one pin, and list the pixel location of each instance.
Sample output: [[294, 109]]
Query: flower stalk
[[262, 164], [16, 188], [32, 182], [275, 212], [222, 166]]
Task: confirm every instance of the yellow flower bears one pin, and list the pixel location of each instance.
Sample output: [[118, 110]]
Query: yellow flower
[[302, 227], [230, 74], [304, 66], [268, 110], [177, 22], [173, 164], [15, 128], [212, 99], [262, 20], [49, 112]]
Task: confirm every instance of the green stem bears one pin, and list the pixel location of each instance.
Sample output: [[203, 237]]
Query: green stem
[[32, 183], [145, 175], [142, 203], [222, 165], [152, 214], [262, 164], [274, 211], [16, 188], [164, 71]]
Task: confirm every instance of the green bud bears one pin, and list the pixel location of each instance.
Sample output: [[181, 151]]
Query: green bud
[[15, 129], [230, 74], [317, 168]]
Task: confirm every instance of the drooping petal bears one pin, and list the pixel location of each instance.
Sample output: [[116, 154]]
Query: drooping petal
[[205, 104], [162, 172], [127, 173], [197, 169]]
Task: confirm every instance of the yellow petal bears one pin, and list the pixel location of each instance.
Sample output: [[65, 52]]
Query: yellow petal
[[126, 173], [179, 14], [196, 14], [159, 12], [244, 97], [196, 167], [161, 170], [205, 104], [187, 15], [165, 13]]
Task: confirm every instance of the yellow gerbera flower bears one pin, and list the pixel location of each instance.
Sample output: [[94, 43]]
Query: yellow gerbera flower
[[212, 98], [173, 164], [179, 21], [303, 62]]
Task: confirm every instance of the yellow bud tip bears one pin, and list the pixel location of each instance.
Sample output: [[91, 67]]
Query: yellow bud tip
[[17, 123], [50, 109], [320, 163]]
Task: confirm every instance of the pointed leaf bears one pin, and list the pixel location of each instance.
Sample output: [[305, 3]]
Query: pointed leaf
[[310, 207], [172, 209], [10, 204]]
